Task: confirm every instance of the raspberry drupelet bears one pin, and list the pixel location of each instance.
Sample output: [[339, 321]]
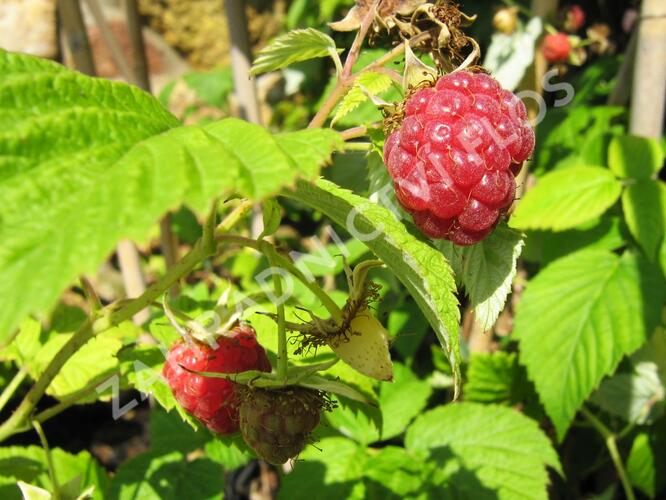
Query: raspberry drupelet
[[454, 158]]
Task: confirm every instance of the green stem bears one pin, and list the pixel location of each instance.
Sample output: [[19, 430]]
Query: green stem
[[110, 317], [12, 386], [49, 460], [282, 355], [288, 264], [611, 444], [354, 132], [51, 412], [358, 146]]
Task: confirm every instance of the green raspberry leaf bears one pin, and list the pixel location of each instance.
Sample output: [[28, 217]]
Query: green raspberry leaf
[[644, 206], [488, 271], [647, 458], [578, 317], [566, 198], [29, 464], [636, 157], [371, 82], [638, 394], [292, 47], [170, 475], [494, 378], [86, 162], [333, 470], [485, 447]]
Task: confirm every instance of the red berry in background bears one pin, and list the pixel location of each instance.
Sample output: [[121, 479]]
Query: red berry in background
[[214, 401], [556, 48], [573, 18], [454, 158]]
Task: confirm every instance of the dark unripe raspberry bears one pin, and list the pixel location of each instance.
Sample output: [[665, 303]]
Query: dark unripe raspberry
[[276, 424], [214, 401], [455, 156], [556, 48]]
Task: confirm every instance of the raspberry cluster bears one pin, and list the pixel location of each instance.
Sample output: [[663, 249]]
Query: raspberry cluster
[[214, 401], [455, 156]]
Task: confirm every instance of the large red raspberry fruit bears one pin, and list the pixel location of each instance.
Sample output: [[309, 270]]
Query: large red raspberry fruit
[[454, 157], [277, 423], [214, 401], [556, 48]]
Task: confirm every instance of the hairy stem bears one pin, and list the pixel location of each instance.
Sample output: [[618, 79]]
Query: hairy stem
[[611, 443], [282, 355], [345, 79], [355, 49], [354, 133]]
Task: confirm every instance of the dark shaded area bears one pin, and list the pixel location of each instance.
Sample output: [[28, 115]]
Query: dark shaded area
[[91, 427]]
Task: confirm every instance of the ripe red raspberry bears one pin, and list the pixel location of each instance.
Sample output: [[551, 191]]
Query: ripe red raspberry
[[454, 157], [556, 48], [213, 400], [277, 423]]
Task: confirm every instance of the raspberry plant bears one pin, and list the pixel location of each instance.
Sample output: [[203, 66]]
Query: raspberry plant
[[381, 358]]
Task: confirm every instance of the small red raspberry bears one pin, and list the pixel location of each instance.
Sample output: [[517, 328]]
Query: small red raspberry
[[277, 423], [213, 400], [556, 48], [455, 156], [573, 18]]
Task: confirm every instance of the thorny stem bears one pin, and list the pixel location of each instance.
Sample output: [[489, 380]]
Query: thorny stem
[[355, 49], [49, 460], [611, 444], [346, 79], [107, 318], [282, 356]]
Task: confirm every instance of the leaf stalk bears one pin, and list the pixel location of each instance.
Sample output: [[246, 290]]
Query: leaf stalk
[[611, 443]]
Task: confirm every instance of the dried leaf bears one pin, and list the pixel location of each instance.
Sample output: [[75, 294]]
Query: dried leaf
[[387, 9], [416, 71]]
